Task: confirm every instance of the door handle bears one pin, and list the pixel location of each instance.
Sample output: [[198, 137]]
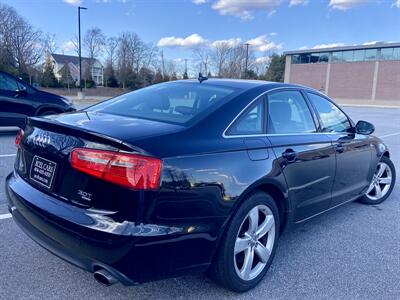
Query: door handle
[[290, 155], [339, 148]]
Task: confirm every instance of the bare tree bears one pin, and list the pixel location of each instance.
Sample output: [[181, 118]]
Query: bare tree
[[49, 43], [19, 41], [75, 43], [202, 55], [132, 55], [94, 42], [219, 54], [111, 48]]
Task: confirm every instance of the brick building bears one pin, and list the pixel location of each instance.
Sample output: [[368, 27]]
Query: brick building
[[367, 74]]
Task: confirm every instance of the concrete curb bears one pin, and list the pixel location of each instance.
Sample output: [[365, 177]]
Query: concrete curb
[[369, 105]]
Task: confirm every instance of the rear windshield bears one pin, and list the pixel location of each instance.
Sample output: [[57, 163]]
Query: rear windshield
[[169, 102]]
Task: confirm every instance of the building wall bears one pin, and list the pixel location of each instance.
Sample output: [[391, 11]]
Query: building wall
[[312, 75], [97, 73], [388, 82], [366, 74], [352, 80]]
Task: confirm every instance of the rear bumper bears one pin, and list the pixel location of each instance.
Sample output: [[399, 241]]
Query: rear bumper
[[132, 253]]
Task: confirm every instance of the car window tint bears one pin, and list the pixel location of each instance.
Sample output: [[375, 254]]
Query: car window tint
[[289, 113], [8, 83], [170, 102], [251, 122], [332, 118]]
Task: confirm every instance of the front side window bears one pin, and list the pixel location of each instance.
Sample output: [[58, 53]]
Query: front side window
[[251, 122], [288, 113], [8, 83], [332, 118], [168, 102]]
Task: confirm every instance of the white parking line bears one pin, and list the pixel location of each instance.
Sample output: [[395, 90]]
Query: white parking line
[[7, 155], [5, 216], [389, 135]]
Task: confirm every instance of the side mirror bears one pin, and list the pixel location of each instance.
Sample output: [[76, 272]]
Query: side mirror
[[364, 127], [20, 92]]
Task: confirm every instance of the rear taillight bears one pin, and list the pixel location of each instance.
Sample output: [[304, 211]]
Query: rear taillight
[[18, 138], [128, 170]]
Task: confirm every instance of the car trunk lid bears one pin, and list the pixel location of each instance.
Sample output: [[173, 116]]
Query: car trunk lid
[[44, 159]]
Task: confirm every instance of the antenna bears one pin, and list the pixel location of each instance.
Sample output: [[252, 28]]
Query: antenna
[[202, 78]]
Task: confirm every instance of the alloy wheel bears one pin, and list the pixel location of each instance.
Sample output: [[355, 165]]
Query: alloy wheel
[[381, 182], [254, 242]]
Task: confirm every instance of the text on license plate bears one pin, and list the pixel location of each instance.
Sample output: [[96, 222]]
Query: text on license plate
[[42, 171]]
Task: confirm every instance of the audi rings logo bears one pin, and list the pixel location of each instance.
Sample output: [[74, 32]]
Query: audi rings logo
[[41, 140]]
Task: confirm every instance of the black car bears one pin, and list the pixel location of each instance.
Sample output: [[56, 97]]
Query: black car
[[189, 176], [19, 100]]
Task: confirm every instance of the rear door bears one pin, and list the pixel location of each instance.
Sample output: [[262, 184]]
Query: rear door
[[353, 151], [306, 156]]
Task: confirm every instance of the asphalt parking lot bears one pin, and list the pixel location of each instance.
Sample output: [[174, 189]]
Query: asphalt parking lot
[[352, 252]]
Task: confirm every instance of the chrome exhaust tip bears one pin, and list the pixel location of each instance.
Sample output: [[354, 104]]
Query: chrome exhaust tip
[[104, 277]]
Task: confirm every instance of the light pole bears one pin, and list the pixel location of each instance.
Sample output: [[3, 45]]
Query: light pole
[[247, 59], [80, 50]]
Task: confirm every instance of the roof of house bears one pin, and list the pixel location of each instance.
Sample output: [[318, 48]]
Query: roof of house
[[65, 59]]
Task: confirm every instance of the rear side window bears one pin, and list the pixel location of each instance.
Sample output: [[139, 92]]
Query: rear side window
[[332, 118], [169, 102], [288, 113], [251, 122]]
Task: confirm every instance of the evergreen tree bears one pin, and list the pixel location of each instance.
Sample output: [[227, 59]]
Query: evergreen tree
[[250, 74], [109, 75], [132, 80], [146, 77], [276, 68], [185, 75], [66, 77], [48, 77]]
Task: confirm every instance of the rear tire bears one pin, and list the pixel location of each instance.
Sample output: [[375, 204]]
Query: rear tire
[[382, 183], [248, 245], [48, 113]]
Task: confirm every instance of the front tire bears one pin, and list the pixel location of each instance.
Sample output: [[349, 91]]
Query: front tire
[[382, 183], [248, 246]]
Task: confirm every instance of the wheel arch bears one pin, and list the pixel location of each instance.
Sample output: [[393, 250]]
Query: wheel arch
[[279, 194], [277, 191]]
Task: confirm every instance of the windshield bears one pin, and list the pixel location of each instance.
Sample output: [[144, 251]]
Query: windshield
[[176, 102]]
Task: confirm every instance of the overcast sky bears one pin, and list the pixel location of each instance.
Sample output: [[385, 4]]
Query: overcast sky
[[178, 25]]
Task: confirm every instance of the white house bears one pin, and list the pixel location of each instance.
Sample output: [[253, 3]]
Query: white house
[[60, 60]]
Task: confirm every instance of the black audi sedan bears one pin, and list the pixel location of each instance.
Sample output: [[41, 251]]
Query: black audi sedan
[[19, 100], [190, 176]]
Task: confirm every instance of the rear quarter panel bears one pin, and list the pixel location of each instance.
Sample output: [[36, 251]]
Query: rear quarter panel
[[200, 192]]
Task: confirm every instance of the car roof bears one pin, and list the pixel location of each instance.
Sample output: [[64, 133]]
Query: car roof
[[243, 84]]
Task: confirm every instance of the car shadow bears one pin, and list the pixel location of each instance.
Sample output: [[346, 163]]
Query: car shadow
[[312, 238]]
